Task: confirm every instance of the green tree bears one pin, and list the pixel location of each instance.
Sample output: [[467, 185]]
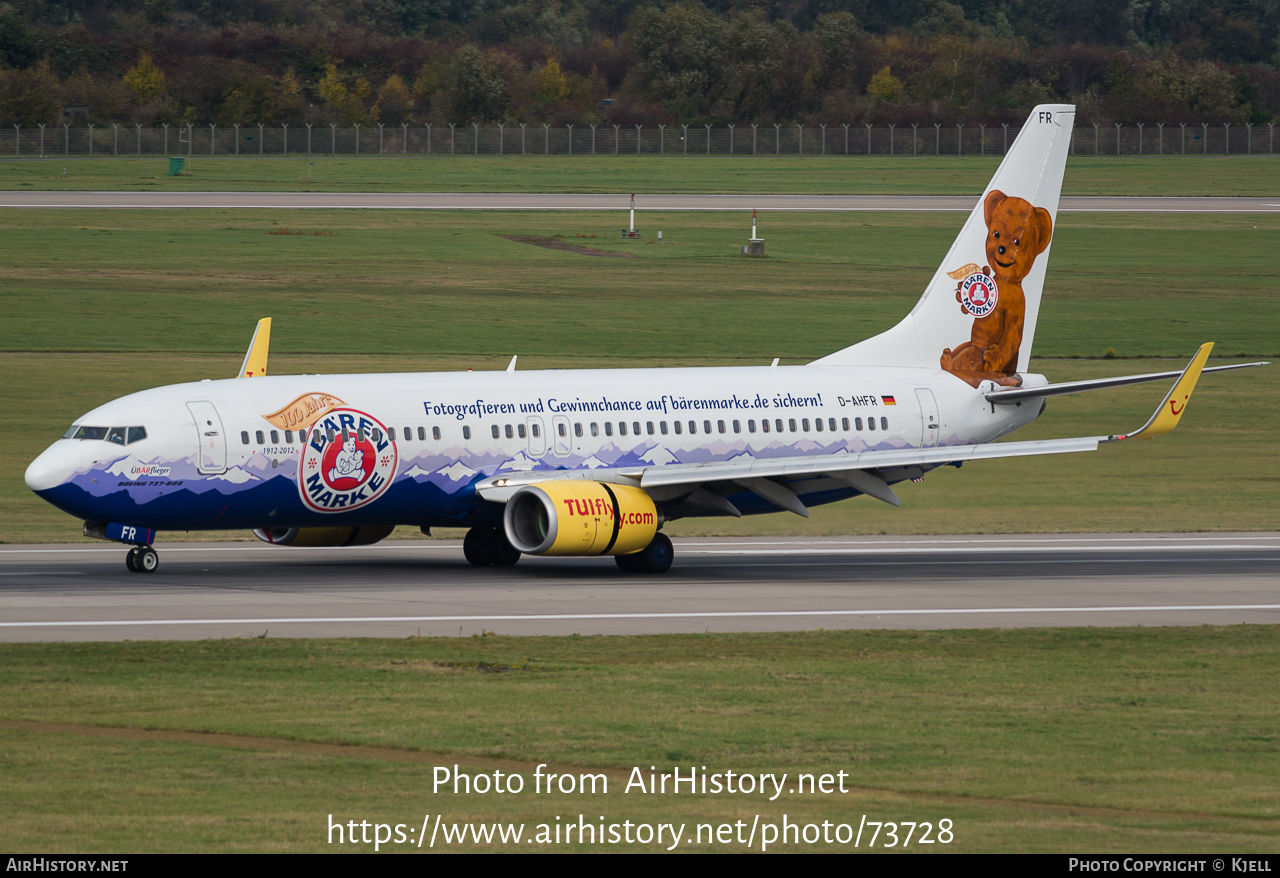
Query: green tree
[[395, 102], [145, 81], [479, 91], [682, 55], [887, 87], [30, 97]]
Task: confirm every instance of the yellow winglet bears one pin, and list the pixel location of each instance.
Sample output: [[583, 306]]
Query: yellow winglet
[[1170, 411], [255, 359]]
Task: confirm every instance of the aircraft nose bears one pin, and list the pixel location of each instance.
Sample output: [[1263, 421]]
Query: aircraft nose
[[58, 463]]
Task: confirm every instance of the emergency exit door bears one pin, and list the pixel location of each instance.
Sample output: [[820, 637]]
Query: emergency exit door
[[211, 442]]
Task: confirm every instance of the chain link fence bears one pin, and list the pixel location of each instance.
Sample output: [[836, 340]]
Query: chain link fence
[[538, 139]]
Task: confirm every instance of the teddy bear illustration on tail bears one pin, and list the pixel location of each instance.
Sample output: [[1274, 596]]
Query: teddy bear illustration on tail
[[1017, 232]]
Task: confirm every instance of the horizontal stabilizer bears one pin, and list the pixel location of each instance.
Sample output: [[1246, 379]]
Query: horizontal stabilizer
[[1009, 396]]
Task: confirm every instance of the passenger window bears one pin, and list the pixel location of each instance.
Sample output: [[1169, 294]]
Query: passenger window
[[466, 432], [377, 436], [805, 424], [831, 423], [537, 431], [858, 423], [261, 439], [329, 434], [764, 426], [494, 430], [737, 426], [564, 432], [649, 427], [662, 425], [520, 430], [792, 423], [137, 434], [244, 437], [706, 426], [817, 423], [679, 427], [720, 426], [275, 437], [693, 427], [116, 435], [511, 432], [751, 425], [884, 423], [608, 428], [302, 437], [408, 433], [288, 437], [871, 424], [577, 430], [435, 432], [777, 424], [635, 428], [844, 424], [622, 428], [422, 433]]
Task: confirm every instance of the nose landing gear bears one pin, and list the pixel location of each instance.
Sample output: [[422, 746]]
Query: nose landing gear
[[142, 559]]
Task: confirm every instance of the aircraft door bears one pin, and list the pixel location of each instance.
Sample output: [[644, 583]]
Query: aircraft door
[[212, 444], [562, 438], [931, 424], [537, 438]]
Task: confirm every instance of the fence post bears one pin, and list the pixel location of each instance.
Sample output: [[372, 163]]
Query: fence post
[[891, 127], [522, 130], [115, 141], [982, 140], [262, 140], [777, 139], [284, 148], [846, 137], [708, 127], [357, 127], [333, 138], [1095, 138], [799, 139], [475, 138], [593, 140], [1271, 144], [236, 126], [1160, 139], [662, 140], [66, 137], [404, 148], [617, 138], [380, 133], [868, 138], [452, 129], [937, 139], [213, 137], [1140, 124], [915, 131], [959, 139], [1248, 138], [90, 139], [546, 138], [1226, 138], [1184, 137], [1005, 151], [1204, 147], [17, 139], [570, 127], [730, 138], [640, 131], [754, 131], [824, 138], [135, 125], [309, 138], [502, 138]]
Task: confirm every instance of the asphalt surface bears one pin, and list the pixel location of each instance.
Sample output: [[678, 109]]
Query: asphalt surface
[[656, 202], [402, 588]]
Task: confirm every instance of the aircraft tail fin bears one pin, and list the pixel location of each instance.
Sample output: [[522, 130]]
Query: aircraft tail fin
[[977, 317], [255, 359]]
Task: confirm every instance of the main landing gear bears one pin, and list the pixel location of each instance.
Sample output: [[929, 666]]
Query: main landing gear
[[484, 546], [142, 559], [653, 558]]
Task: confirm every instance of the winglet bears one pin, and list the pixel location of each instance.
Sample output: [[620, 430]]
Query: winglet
[[1166, 417], [255, 359]]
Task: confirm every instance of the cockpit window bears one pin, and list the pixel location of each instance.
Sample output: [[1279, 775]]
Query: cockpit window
[[92, 433], [137, 434], [116, 435]]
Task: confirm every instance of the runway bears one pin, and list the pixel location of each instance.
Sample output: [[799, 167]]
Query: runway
[[404, 588], [603, 202]]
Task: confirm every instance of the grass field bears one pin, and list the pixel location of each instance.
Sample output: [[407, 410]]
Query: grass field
[[1070, 740], [102, 303], [853, 175]]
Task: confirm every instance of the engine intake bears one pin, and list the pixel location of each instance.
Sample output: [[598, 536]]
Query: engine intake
[[317, 537], [571, 517]]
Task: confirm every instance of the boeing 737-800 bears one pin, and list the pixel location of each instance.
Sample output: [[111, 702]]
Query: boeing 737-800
[[595, 462]]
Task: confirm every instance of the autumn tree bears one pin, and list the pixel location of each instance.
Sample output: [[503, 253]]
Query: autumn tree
[[145, 80]]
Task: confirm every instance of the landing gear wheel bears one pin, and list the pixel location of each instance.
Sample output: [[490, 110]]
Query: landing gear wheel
[[501, 552], [131, 560], [657, 556], [628, 563], [476, 546], [147, 560]]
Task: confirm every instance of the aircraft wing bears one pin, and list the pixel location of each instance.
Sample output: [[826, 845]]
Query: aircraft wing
[[701, 483]]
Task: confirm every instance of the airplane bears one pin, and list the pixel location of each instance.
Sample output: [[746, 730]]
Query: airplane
[[596, 462]]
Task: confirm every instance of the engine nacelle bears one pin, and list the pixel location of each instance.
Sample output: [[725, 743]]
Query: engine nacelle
[[314, 537], [572, 517]]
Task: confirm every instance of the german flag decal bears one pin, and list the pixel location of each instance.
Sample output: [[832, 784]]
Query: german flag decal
[[889, 400]]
